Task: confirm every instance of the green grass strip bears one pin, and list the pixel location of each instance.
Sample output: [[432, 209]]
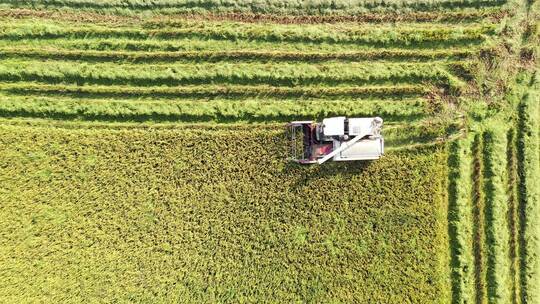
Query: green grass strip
[[513, 215], [200, 44], [497, 230], [332, 34], [460, 220], [529, 150], [283, 74], [263, 110], [479, 220]]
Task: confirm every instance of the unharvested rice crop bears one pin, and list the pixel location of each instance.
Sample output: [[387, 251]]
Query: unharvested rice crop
[[214, 215]]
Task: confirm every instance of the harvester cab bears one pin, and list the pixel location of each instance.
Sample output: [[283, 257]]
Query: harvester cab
[[336, 138]]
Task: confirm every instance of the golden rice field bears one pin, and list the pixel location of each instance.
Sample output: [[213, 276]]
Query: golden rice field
[[143, 156]]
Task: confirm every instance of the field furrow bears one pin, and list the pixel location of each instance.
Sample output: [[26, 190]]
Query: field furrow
[[119, 54], [214, 91]]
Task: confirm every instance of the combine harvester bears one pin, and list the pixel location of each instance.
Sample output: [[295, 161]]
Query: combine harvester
[[336, 138]]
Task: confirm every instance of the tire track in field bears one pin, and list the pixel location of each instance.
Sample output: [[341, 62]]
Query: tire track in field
[[214, 91]]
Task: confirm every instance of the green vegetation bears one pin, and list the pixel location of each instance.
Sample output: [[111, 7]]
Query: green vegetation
[[231, 91], [530, 190], [497, 238], [219, 56], [143, 154], [199, 110], [345, 34], [282, 74], [460, 220]]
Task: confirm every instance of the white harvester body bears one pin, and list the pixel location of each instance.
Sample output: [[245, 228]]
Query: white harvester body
[[336, 138]]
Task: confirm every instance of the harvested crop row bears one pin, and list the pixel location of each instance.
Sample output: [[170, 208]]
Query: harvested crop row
[[216, 91], [198, 44], [156, 23], [479, 220], [284, 74], [529, 167], [497, 231], [234, 217], [513, 216], [338, 35], [464, 15], [461, 220], [461, 16], [428, 132], [232, 55], [164, 22], [280, 7], [197, 110]]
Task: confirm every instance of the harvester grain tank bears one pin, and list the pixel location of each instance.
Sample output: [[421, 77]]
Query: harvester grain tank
[[336, 138]]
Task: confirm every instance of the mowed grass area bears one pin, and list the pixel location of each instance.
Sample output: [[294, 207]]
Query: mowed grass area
[[183, 68], [493, 205], [204, 214]]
